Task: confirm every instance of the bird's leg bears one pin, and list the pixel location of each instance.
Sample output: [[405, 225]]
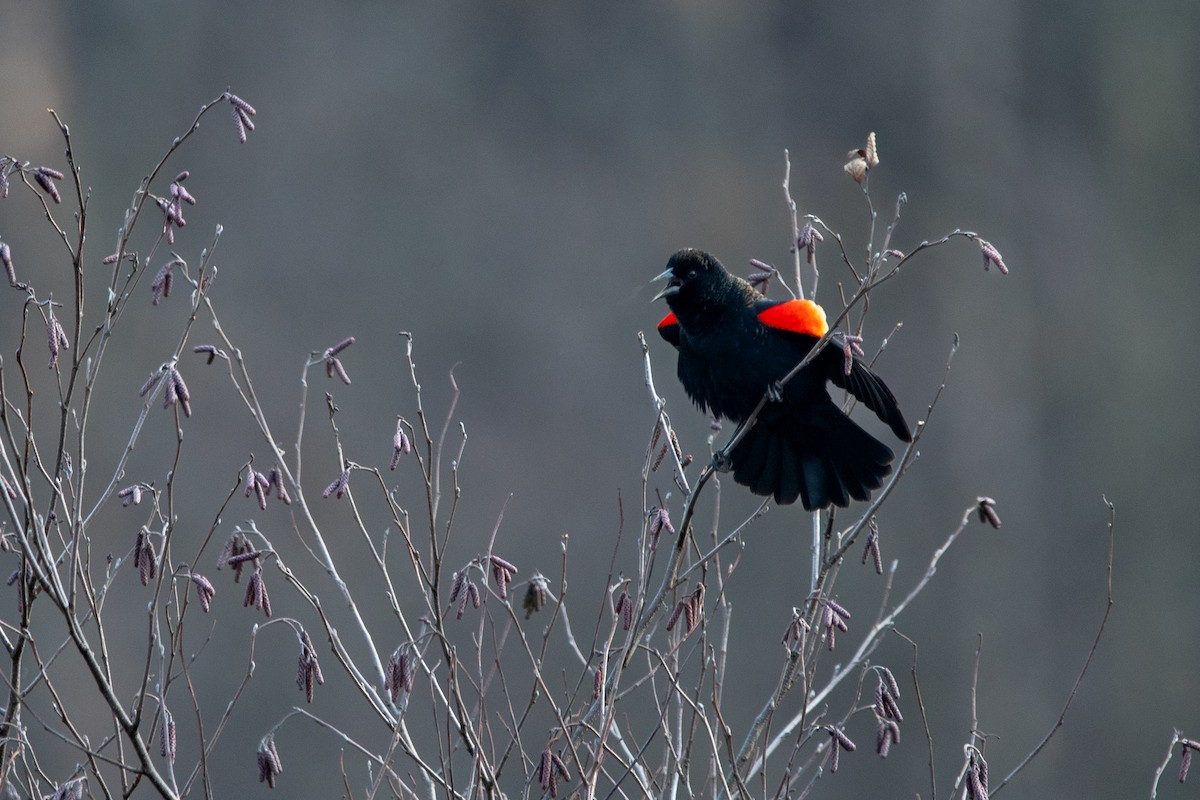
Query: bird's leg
[[722, 461], [775, 392]]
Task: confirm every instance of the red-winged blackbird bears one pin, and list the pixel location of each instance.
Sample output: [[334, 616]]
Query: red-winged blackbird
[[735, 345]]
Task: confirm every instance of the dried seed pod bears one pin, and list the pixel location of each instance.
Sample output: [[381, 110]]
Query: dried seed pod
[[399, 674], [838, 609], [339, 487], [401, 444], [205, 591], [145, 559], [545, 769], [463, 599], [167, 740], [679, 609], [241, 111], [275, 477], [842, 739], [208, 349], [992, 256], [333, 366], [889, 680], [160, 287], [308, 670], [871, 151], [623, 608], [987, 512], [339, 347], [856, 168], [458, 581], [536, 595], [269, 765], [887, 734], [180, 391], [45, 178], [892, 711], [240, 104], [9, 269], [152, 381]]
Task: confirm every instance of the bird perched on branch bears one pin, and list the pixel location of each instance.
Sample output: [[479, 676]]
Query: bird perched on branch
[[735, 346]]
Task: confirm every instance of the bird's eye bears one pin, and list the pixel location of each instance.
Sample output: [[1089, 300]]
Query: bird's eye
[[691, 273]]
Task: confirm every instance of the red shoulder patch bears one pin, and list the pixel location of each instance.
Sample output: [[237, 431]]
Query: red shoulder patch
[[668, 329], [796, 316]]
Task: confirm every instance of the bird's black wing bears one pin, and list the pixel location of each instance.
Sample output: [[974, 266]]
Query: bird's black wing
[[804, 322], [866, 387]]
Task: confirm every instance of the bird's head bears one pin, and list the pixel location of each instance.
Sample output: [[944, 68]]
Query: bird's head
[[692, 277]]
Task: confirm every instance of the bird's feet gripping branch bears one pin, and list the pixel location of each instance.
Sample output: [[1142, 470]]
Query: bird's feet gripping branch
[[735, 345]]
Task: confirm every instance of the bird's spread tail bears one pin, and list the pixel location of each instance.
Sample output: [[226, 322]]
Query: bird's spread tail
[[822, 458]]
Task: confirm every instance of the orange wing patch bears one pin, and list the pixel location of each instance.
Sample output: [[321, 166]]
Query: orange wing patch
[[669, 330], [797, 316]]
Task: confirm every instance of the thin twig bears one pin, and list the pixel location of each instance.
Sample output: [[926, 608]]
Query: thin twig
[[1176, 738], [1112, 519]]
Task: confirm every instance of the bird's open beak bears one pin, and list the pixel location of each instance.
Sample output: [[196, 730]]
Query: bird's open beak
[[671, 288]]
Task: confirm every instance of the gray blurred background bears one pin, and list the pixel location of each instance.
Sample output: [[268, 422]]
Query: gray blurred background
[[504, 180]]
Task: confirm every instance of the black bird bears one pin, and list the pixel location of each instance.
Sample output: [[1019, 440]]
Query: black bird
[[735, 345]]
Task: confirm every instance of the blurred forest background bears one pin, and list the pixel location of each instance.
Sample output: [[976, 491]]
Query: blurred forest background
[[503, 180]]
